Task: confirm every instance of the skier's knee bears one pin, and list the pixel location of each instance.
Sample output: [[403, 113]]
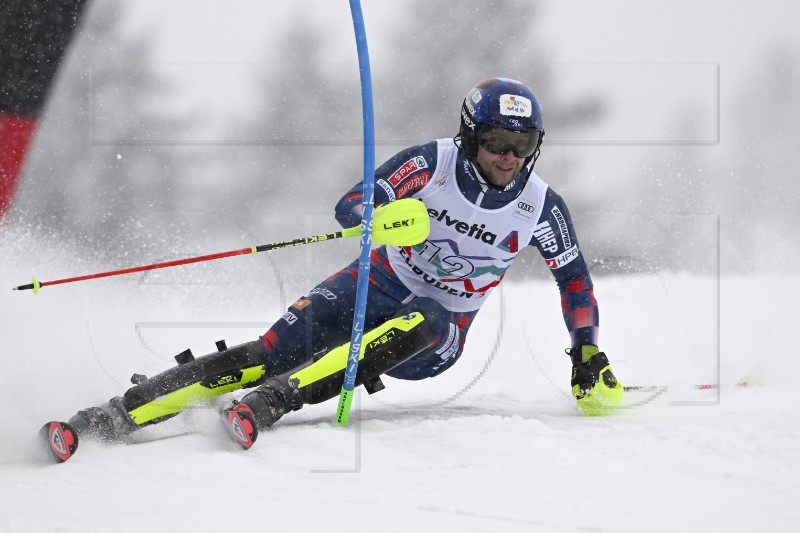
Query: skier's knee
[[445, 349]]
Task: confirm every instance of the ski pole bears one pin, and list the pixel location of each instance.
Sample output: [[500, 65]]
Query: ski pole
[[400, 223], [743, 381]]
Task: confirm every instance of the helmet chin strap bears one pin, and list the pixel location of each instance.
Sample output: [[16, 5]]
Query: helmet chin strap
[[485, 185], [477, 174], [482, 181]]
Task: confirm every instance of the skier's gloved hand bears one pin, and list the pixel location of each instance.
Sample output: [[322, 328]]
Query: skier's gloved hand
[[594, 385]]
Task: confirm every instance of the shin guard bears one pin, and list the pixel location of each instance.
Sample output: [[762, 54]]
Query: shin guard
[[386, 346], [194, 381]]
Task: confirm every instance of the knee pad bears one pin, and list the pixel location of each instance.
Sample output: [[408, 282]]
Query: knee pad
[[194, 381]]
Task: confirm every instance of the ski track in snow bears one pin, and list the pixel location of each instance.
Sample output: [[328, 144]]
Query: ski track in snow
[[495, 443]]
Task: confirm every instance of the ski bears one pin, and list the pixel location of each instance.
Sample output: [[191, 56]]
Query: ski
[[59, 440]]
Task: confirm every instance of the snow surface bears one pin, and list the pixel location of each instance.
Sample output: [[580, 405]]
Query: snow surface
[[496, 443]]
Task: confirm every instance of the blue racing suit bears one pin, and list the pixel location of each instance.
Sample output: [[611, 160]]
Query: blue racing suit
[[446, 278]]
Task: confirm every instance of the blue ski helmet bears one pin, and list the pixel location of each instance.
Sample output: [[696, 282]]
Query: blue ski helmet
[[502, 114]]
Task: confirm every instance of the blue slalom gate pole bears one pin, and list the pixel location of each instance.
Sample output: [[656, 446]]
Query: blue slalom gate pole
[[356, 336]]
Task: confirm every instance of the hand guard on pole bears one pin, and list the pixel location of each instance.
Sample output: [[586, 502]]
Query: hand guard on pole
[[594, 385]]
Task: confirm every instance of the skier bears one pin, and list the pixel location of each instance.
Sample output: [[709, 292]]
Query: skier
[[484, 203]]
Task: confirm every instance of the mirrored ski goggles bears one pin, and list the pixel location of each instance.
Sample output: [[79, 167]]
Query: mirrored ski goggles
[[500, 141]]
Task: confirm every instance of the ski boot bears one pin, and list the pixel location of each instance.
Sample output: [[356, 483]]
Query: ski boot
[[260, 409], [108, 423]]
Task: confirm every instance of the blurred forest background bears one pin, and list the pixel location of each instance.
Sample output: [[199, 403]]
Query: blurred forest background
[[666, 164]]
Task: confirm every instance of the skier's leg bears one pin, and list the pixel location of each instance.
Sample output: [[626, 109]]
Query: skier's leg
[[422, 339], [390, 344], [308, 346], [312, 325], [451, 328], [163, 396], [322, 320]]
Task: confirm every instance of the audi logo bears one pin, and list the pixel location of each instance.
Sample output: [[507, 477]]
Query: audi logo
[[525, 207]]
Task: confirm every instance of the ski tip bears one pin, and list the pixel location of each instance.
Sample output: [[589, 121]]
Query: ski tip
[[241, 425], [59, 440]]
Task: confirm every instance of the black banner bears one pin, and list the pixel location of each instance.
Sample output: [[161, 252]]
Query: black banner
[[34, 34]]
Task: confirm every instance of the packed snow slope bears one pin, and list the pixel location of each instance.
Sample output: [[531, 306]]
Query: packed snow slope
[[496, 443]]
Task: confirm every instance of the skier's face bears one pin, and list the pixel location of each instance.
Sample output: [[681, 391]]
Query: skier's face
[[499, 169]]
